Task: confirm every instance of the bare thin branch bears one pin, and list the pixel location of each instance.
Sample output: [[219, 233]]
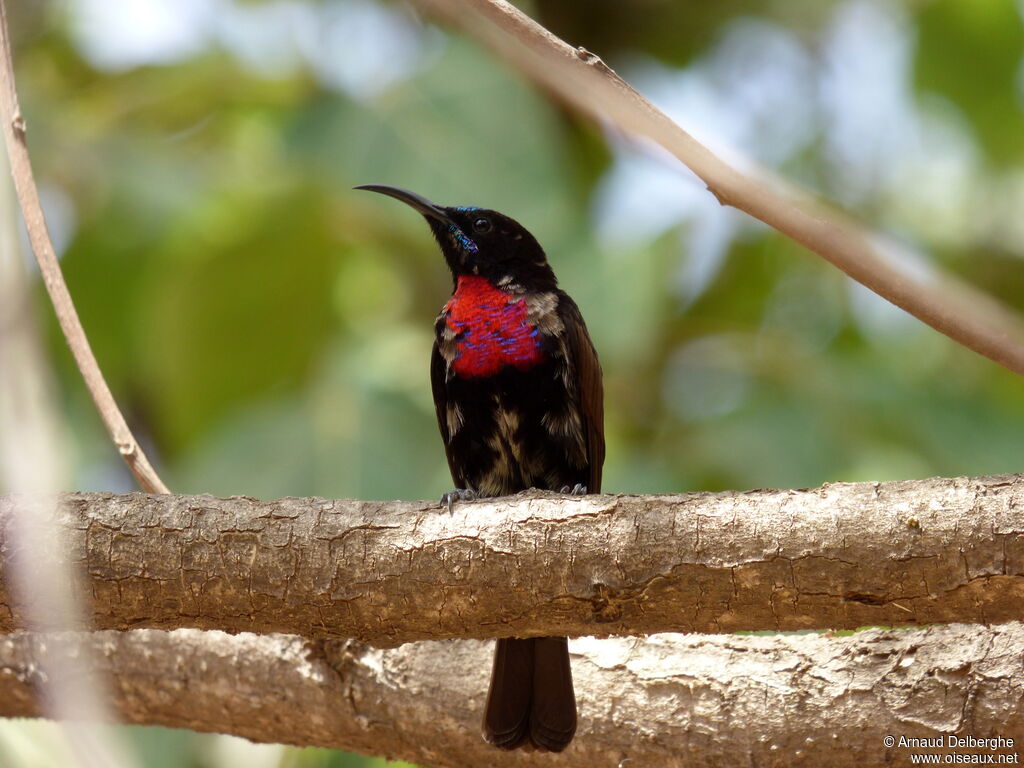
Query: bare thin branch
[[32, 459], [670, 700], [844, 555], [14, 130], [581, 80]]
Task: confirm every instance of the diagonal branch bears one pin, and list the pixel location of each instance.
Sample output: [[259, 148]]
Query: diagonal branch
[[839, 556], [581, 80], [668, 701], [13, 125]]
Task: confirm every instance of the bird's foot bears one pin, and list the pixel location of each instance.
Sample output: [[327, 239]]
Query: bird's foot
[[577, 490], [459, 494]]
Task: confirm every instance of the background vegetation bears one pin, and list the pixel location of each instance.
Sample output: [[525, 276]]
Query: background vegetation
[[267, 329]]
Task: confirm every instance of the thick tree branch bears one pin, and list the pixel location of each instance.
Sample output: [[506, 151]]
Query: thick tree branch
[[667, 701], [839, 556], [581, 80], [14, 131]]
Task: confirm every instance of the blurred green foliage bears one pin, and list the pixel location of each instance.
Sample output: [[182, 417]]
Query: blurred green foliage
[[963, 45], [267, 329]]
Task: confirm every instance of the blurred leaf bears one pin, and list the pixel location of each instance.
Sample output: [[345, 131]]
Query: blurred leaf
[[161, 747], [239, 306], [672, 31], [447, 134], [971, 52]]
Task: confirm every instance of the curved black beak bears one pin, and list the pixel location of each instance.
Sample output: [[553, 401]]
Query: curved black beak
[[420, 203]]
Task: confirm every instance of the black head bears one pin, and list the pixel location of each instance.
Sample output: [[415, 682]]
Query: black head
[[477, 241]]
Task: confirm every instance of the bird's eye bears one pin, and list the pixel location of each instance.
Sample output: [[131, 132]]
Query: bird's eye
[[482, 225]]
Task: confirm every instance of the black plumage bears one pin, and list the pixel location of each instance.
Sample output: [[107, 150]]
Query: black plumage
[[518, 393]]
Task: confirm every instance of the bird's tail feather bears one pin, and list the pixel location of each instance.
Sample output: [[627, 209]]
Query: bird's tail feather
[[531, 697]]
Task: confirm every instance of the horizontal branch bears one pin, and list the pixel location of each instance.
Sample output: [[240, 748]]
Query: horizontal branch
[[839, 556], [667, 701]]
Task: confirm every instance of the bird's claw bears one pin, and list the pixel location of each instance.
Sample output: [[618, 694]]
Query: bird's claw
[[577, 490], [459, 494]]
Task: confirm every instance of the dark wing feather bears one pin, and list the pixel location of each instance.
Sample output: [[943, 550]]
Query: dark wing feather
[[582, 357], [439, 385]]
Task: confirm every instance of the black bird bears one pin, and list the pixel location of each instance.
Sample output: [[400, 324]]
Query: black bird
[[517, 388]]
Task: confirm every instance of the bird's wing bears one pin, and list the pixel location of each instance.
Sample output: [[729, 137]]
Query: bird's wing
[[582, 357], [438, 383]]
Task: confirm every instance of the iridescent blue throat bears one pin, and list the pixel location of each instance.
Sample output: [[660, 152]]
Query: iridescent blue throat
[[460, 237]]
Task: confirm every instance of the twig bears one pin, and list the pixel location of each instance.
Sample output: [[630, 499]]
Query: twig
[[14, 131], [581, 80], [43, 582]]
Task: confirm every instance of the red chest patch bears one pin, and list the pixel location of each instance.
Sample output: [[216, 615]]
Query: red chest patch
[[491, 330]]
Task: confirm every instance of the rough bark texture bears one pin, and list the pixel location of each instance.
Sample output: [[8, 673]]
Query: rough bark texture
[[839, 556], [671, 700]]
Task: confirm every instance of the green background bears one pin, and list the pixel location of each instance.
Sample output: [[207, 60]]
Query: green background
[[267, 330]]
